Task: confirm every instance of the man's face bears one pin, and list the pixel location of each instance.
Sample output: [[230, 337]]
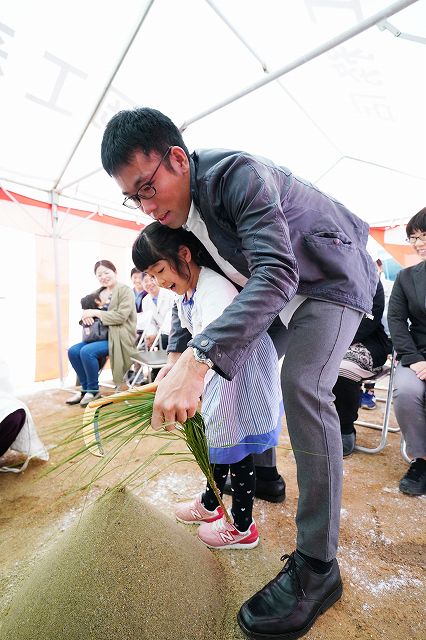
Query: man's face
[[170, 205], [137, 282], [150, 285]]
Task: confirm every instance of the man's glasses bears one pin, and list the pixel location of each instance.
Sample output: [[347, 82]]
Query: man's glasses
[[146, 191], [413, 239]]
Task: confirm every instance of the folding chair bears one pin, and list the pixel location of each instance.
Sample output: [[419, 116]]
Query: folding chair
[[149, 359], [403, 449], [387, 370]]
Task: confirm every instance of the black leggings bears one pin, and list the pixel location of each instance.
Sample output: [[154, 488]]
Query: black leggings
[[10, 427], [243, 483]]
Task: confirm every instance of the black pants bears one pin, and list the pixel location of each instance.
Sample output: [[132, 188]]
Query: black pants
[[347, 394], [9, 429], [243, 483]]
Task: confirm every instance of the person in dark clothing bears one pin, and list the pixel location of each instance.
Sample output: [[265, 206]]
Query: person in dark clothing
[[407, 324], [364, 358]]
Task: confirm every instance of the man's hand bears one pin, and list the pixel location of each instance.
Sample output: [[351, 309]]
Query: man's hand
[[179, 392], [420, 369]]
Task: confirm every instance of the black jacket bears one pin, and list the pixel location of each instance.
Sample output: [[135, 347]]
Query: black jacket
[[407, 303], [372, 334]]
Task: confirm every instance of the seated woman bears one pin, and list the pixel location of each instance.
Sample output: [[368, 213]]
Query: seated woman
[[407, 325], [365, 356], [157, 307], [120, 318]]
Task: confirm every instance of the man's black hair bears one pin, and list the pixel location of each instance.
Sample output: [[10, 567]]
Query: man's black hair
[[417, 223], [141, 129]]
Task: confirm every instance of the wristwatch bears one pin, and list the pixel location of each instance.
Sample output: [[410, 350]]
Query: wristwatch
[[200, 356]]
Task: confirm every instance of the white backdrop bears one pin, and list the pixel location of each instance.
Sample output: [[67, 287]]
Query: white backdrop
[[352, 120]]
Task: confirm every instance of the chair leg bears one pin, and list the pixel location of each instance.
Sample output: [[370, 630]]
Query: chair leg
[[403, 449], [385, 426]]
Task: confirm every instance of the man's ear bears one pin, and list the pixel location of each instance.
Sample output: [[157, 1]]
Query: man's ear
[[179, 160], [184, 253]]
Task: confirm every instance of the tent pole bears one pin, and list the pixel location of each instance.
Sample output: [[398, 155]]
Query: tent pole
[[105, 91], [311, 55], [54, 213], [266, 71]]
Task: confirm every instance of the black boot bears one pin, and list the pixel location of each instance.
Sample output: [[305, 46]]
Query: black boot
[[287, 607], [347, 394], [269, 490]]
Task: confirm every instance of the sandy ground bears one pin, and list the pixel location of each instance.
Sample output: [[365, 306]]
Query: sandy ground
[[382, 546]]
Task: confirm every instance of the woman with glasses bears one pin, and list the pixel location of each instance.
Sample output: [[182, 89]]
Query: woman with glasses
[[407, 325]]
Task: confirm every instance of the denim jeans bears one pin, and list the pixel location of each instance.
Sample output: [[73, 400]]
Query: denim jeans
[[84, 358]]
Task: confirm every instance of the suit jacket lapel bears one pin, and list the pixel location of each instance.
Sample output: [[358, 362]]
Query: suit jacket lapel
[[419, 280]]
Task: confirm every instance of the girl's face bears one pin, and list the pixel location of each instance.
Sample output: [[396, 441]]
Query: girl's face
[[104, 297], [107, 277], [168, 278]]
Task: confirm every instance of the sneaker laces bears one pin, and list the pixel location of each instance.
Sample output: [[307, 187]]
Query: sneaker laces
[[291, 568], [220, 525]]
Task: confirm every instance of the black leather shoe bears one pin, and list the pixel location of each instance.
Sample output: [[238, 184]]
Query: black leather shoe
[[287, 607], [269, 490], [414, 481], [348, 442]]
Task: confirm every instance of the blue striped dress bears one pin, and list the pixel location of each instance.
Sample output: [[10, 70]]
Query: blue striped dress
[[242, 415]]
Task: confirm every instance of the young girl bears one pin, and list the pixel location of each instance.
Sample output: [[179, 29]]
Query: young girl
[[242, 416]]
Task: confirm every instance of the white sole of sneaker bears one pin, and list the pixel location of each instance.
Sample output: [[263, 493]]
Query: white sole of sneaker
[[237, 545]]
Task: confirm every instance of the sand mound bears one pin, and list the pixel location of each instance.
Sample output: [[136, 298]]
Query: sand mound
[[124, 572]]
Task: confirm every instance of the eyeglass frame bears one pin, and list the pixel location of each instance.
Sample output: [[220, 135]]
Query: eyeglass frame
[[136, 197], [413, 239]]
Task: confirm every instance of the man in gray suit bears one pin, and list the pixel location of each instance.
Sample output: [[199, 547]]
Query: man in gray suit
[[300, 258]]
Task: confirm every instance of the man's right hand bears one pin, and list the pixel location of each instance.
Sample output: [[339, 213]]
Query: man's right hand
[[178, 392]]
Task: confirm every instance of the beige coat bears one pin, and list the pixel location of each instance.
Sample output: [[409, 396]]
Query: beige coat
[[121, 322]]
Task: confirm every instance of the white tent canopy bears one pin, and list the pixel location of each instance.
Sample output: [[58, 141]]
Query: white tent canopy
[[352, 119], [333, 89]]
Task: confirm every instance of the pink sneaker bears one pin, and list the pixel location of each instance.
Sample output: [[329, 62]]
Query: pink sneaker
[[195, 512], [223, 535]]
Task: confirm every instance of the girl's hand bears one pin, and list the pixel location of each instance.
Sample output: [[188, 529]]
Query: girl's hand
[[172, 358], [420, 369]]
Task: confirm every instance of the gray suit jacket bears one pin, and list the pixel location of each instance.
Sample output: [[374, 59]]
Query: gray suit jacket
[[407, 303], [285, 236]]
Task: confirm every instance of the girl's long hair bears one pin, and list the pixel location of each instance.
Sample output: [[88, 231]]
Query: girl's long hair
[[158, 242]]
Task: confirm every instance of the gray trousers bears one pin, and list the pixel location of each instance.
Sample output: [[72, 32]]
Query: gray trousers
[[315, 342], [409, 396]]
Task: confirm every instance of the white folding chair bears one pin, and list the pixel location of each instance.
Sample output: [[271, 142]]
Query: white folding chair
[[148, 359], [387, 370]]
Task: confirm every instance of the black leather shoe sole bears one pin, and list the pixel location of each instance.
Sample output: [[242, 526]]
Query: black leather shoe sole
[[73, 401], [293, 635], [412, 488]]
